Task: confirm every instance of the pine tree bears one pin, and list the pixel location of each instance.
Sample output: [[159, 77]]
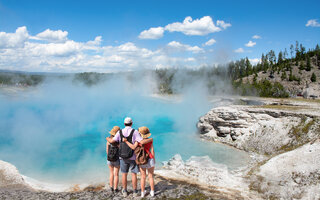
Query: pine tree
[[285, 53], [255, 78], [291, 50], [313, 77], [301, 66], [308, 67], [280, 57], [297, 50], [318, 59], [290, 76], [302, 51], [317, 48], [248, 67]]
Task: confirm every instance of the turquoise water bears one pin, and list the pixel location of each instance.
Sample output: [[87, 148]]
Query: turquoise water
[[57, 132]]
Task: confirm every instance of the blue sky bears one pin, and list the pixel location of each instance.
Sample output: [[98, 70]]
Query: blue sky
[[106, 36]]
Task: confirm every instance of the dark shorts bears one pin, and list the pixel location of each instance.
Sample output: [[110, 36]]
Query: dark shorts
[[125, 165], [114, 163]]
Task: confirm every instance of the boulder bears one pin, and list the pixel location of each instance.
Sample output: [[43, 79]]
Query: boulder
[[10, 176]]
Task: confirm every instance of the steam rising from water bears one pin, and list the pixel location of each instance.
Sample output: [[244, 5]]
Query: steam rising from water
[[57, 131]]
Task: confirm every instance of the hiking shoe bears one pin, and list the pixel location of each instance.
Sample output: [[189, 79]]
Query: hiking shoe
[[135, 193], [143, 194], [152, 193], [124, 193]]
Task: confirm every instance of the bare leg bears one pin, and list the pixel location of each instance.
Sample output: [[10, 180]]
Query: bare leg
[[111, 176], [150, 175], [124, 180], [143, 178], [116, 177], [134, 181]]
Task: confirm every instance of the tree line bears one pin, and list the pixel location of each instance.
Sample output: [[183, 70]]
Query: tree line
[[234, 72]]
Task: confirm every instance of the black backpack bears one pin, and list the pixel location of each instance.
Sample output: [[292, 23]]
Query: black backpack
[[113, 152], [125, 151]]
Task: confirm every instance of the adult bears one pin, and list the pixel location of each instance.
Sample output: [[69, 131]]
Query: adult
[[113, 160], [127, 164], [148, 147]]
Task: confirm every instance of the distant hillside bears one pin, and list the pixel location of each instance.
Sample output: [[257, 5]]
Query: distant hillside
[[274, 76], [295, 76], [297, 80]]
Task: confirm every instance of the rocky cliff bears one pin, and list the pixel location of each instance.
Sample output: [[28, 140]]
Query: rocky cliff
[[285, 132]]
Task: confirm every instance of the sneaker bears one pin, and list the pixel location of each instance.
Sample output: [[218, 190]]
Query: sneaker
[[135, 193], [116, 190], [152, 193], [143, 194], [111, 189], [124, 193]]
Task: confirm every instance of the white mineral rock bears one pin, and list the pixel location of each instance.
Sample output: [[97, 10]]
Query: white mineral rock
[[10, 176]]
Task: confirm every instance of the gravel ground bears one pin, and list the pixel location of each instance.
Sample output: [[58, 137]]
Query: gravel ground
[[165, 189]]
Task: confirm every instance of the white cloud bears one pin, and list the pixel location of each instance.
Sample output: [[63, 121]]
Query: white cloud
[[58, 36], [222, 24], [239, 50], [152, 33], [313, 23], [20, 51], [190, 59], [254, 61], [250, 44], [96, 42], [184, 47], [14, 40], [54, 49], [201, 26], [128, 47], [256, 37], [209, 42]]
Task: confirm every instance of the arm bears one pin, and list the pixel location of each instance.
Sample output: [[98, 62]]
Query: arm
[[107, 147], [132, 146], [110, 140], [152, 152], [145, 141], [114, 139]]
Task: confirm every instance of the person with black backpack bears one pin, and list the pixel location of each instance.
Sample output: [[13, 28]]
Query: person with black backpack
[[127, 156], [113, 160]]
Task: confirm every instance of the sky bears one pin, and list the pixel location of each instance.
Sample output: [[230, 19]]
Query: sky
[[111, 36]]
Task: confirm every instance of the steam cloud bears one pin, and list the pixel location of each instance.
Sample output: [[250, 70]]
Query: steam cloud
[[61, 125]]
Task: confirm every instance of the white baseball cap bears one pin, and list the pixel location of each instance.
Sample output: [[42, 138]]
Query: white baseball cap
[[128, 120]]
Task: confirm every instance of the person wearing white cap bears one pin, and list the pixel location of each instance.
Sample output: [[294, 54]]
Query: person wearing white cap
[[127, 156]]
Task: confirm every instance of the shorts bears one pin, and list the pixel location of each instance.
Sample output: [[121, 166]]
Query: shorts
[[114, 163], [150, 164], [125, 165]]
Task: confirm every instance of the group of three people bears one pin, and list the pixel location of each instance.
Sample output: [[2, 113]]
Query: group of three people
[[132, 138]]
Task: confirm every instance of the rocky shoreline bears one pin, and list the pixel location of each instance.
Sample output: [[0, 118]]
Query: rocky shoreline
[[166, 189], [284, 138], [14, 186]]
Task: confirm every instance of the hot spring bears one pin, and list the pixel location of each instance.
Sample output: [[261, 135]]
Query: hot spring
[[56, 132]]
